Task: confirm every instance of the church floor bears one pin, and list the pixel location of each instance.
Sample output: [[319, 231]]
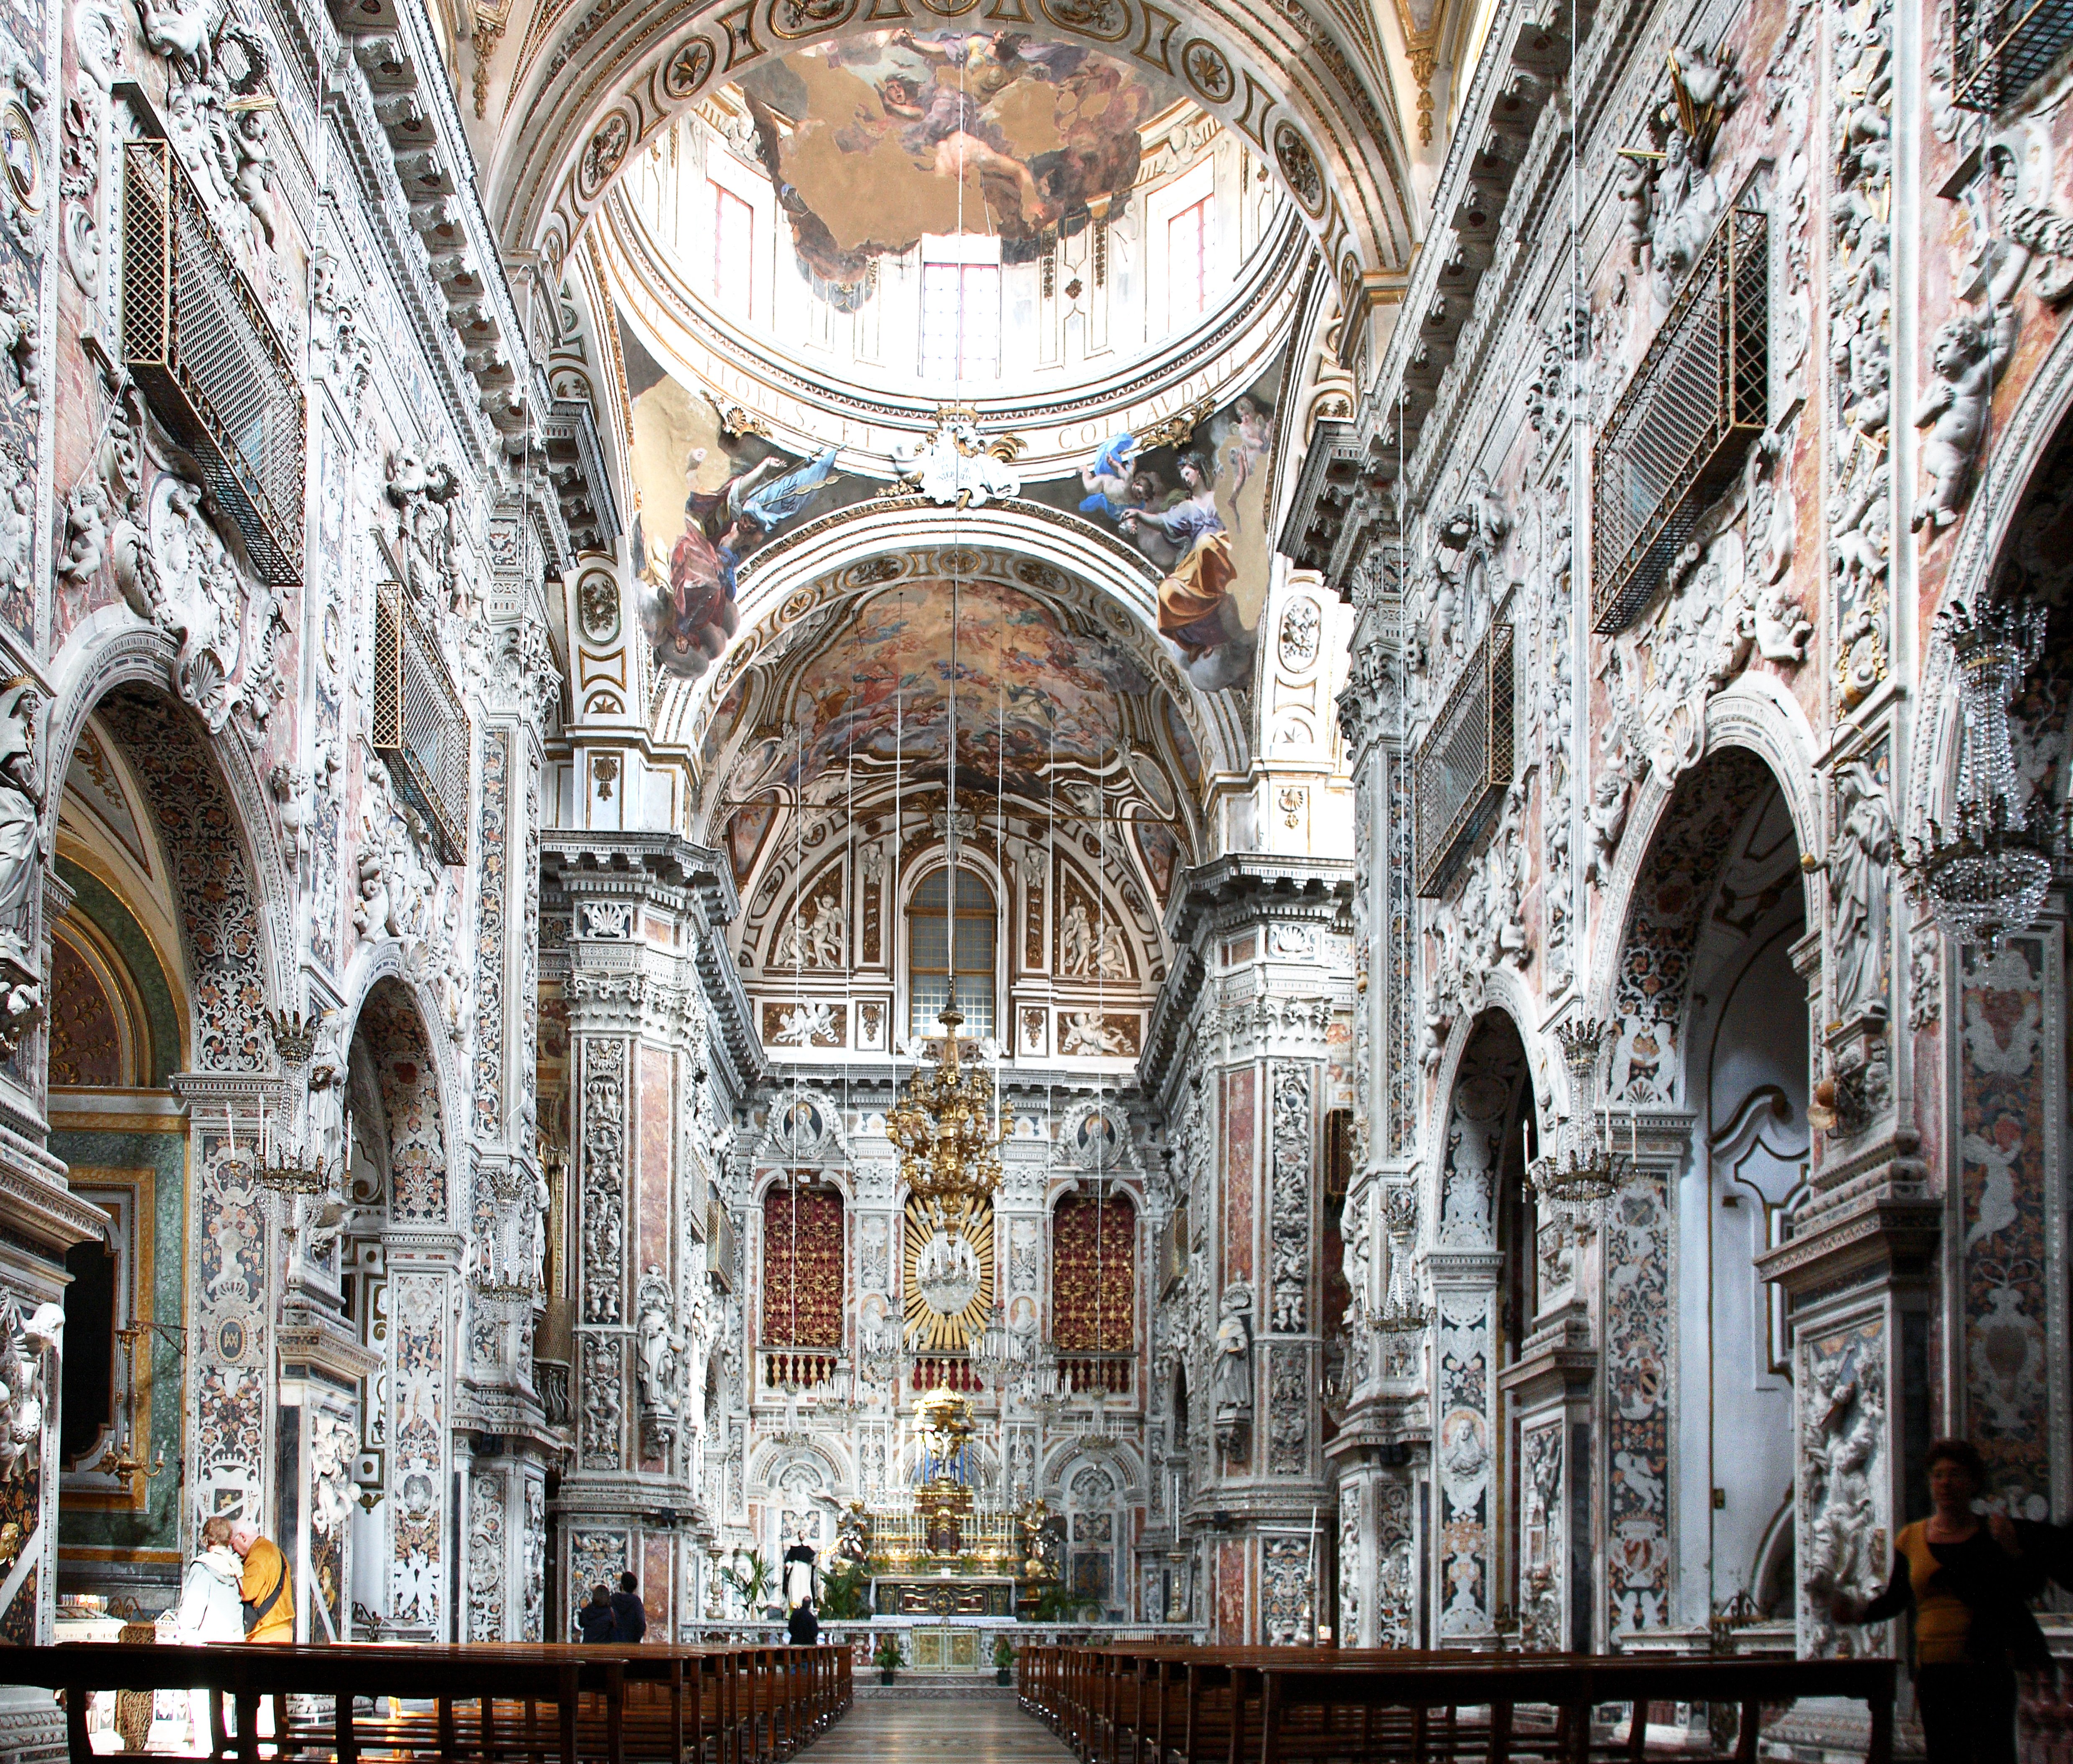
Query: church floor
[[973, 1730]]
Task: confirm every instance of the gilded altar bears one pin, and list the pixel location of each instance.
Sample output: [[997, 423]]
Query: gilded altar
[[943, 1595]]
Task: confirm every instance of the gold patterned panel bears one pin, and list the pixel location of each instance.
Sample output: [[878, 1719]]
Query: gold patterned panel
[[932, 1332]]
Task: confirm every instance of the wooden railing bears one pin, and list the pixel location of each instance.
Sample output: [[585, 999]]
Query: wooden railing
[[477, 1703], [1154, 1705]]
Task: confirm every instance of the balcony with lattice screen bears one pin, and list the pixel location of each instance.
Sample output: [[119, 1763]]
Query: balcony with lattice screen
[[420, 725], [2004, 46], [1463, 767], [1681, 429], [206, 356]]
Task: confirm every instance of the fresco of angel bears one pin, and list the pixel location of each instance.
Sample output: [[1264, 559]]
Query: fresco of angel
[[689, 617]]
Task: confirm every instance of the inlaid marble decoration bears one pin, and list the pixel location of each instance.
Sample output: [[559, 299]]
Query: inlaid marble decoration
[[1462, 1398], [1240, 1124], [491, 906], [1230, 1590], [1542, 1549], [227, 1473], [1638, 1310], [418, 1478], [2010, 1196]]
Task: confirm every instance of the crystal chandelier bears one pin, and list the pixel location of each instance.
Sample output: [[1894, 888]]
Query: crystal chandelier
[[1987, 872], [1582, 1170]]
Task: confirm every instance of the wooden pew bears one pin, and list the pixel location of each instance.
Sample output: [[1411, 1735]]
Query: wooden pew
[[1140, 1704], [494, 1703]]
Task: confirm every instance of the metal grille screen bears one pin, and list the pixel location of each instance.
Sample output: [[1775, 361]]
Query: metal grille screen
[[420, 727], [1701, 394], [2003, 49], [1464, 766], [205, 355]]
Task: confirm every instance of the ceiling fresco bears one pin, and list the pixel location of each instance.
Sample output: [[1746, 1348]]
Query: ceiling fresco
[[873, 143], [1036, 688]]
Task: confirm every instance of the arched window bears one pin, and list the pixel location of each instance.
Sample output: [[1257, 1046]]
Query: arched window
[[802, 1265], [929, 955], [1093, 1274]]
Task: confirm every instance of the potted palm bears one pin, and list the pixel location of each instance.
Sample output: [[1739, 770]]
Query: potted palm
[[888, 1659], [1003, 1660]]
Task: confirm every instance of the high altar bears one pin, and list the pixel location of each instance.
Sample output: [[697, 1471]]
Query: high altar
[[946, 1557]]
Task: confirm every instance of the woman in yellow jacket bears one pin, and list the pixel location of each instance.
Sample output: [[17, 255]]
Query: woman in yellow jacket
[[1969, 1585], [269, 1600]]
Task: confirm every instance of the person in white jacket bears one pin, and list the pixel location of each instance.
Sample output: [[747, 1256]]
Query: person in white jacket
[[209, 1610]]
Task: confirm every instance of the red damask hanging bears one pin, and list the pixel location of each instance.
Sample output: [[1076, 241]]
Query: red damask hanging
[[1093, 1274], [802, 1266]]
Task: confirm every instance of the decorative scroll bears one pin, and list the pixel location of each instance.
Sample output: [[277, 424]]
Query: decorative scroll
[[1093, 1274], [802, 1265]]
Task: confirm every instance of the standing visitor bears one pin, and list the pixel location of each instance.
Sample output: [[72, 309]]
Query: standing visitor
[[269, 1604], [597, 1620], [630, 1615], [1968, 1587], [209, 1610], [803, 1627]]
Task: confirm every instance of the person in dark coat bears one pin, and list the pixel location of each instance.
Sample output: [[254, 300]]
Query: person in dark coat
[[803, 1625], [1968, 1589], [631, 1614], [597, 1620]]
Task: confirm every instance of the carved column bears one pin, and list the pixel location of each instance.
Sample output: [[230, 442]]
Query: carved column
[[1271, 978], [645, 915]]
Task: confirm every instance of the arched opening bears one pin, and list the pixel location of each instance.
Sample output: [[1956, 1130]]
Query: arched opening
[[1480, 1292], [1712, 1016], [397, 1178]]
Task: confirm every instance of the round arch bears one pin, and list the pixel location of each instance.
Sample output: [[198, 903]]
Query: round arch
[[595, 87], [230, 889], [797, 578]]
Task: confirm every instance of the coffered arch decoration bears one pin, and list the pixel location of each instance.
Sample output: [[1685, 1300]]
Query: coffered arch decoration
[[594, 86]]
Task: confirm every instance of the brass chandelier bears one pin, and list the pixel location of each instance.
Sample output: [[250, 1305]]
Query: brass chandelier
[[947, 1135]]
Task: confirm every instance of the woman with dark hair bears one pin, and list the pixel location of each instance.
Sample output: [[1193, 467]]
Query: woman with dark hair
[[1968, 1586]]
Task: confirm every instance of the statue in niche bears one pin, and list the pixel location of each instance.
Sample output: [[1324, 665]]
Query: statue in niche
[[658, 1345], [1230, 1379], [21, 863], [1857, 875]]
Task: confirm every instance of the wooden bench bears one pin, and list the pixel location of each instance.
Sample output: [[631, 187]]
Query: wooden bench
[[483, 1702], [1164, 1705]]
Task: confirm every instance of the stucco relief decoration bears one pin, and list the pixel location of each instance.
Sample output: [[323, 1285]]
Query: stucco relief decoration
[[661, 1350], [178, 575], [1289, 1220], [604, 1225], [1299, 626], [1860, 344], [1542, 1550], [1842, 1522], [1288, 1412], [1299, 168], [21, 864], [1285, 1614], [604, 1403], [418, 1574], [487, 1496], [1395, 1567]]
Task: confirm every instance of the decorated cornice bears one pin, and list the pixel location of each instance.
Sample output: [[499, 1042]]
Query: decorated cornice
[[1227, 352], [1213, 898], [692, 883]]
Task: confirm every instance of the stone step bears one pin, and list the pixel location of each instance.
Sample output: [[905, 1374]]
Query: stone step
[[912, 1683]]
